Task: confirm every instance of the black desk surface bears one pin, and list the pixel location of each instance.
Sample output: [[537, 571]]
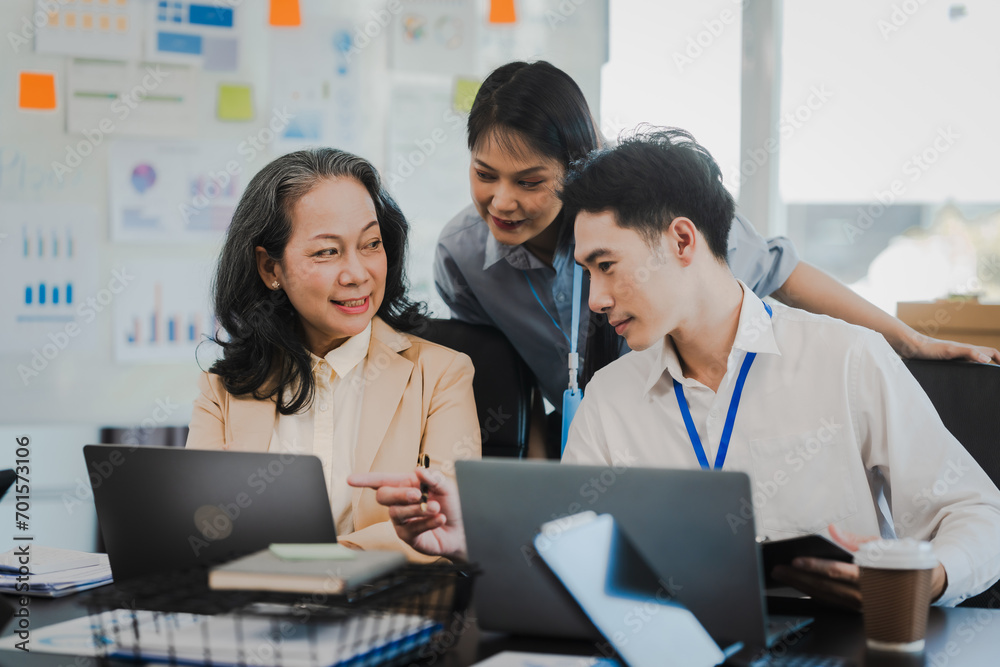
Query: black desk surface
[[958, 637]]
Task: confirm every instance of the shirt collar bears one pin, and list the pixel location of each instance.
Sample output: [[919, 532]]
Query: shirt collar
[[754, 333], [517, 256], [342, 359]]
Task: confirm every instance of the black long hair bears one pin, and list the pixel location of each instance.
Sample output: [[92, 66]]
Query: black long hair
[[265, 355], [539, 106]]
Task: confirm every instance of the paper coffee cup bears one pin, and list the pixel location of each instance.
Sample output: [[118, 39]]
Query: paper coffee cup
[[896, 592]]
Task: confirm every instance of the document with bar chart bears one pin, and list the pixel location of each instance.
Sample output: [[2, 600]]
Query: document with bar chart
[[165, 313], [48, 270]]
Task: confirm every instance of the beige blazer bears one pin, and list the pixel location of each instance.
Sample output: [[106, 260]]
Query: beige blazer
[[418, 396]]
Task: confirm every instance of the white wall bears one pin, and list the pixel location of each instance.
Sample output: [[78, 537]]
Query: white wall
[[83, 389]]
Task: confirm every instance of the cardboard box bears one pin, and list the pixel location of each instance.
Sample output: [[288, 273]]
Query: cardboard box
[[965, 320]]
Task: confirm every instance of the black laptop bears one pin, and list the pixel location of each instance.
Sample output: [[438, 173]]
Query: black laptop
[[685, 523], [166, 509]]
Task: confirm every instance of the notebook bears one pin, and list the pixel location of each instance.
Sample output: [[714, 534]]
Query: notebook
[[265, 570]]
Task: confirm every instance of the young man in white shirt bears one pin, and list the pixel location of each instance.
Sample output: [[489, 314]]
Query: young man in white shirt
[[830, 426], [835, 434]]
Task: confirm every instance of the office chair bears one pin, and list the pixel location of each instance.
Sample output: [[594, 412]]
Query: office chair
[[157, 436], [502, 384], [965, 396]]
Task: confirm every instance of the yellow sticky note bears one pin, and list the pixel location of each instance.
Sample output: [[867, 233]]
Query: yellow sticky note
[[285, 13], [37, 91], [464, 94], [235, 102]]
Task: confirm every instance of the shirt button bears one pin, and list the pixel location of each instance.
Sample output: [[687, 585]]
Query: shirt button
[[714, 414], [561, 297], [323, 406]]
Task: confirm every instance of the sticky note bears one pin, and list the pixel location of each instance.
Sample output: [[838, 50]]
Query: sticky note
[[235, 102], [37, 91], [331, 551], [285, 13], [464, 94], [502, 11]]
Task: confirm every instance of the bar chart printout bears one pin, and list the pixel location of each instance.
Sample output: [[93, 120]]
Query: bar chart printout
[[167, 315], [49, 268]]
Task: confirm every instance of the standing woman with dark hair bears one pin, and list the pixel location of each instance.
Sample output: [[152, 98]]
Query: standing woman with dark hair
[[311, 291], [507, 259]]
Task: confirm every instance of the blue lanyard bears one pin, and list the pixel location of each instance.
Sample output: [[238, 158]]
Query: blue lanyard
[[539, 300], [727, 429], [573, 338]]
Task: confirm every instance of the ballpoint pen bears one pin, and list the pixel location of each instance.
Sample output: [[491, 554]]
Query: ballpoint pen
[[423, 461]]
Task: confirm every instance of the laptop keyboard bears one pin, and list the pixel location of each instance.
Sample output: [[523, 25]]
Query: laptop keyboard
[[806, 660]]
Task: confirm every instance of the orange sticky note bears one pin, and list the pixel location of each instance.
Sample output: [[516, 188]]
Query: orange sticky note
[[37, 91], [285, 13], [502, 11]]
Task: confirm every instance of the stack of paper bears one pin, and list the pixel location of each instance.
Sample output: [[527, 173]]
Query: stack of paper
[[51, 572]]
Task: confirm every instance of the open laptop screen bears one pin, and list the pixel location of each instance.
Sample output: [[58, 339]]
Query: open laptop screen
[[163, 509]]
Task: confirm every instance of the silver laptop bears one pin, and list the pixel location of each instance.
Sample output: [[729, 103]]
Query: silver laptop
[[166, 509], [680, 521]]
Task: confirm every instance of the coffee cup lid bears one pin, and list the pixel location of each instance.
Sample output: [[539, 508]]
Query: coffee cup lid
[[904, 554]]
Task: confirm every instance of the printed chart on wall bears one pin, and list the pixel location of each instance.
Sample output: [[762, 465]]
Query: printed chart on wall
[[175, 192], [315, 78], [90, 29], [435, 36], [165, 312], [114, 96], [205, 34], [48, 264]]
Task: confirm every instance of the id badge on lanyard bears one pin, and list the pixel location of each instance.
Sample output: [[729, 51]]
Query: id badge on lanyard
[[573, 394]]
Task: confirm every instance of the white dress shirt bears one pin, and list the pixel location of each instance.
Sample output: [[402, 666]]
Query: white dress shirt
[[832, 429], [329, 428]]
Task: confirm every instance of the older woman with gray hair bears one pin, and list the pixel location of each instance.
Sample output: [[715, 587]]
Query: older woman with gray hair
[[319, 355]]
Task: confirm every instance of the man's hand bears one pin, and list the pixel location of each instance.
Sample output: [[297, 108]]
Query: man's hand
[[830, 581], [436, 530], [838, 583]]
